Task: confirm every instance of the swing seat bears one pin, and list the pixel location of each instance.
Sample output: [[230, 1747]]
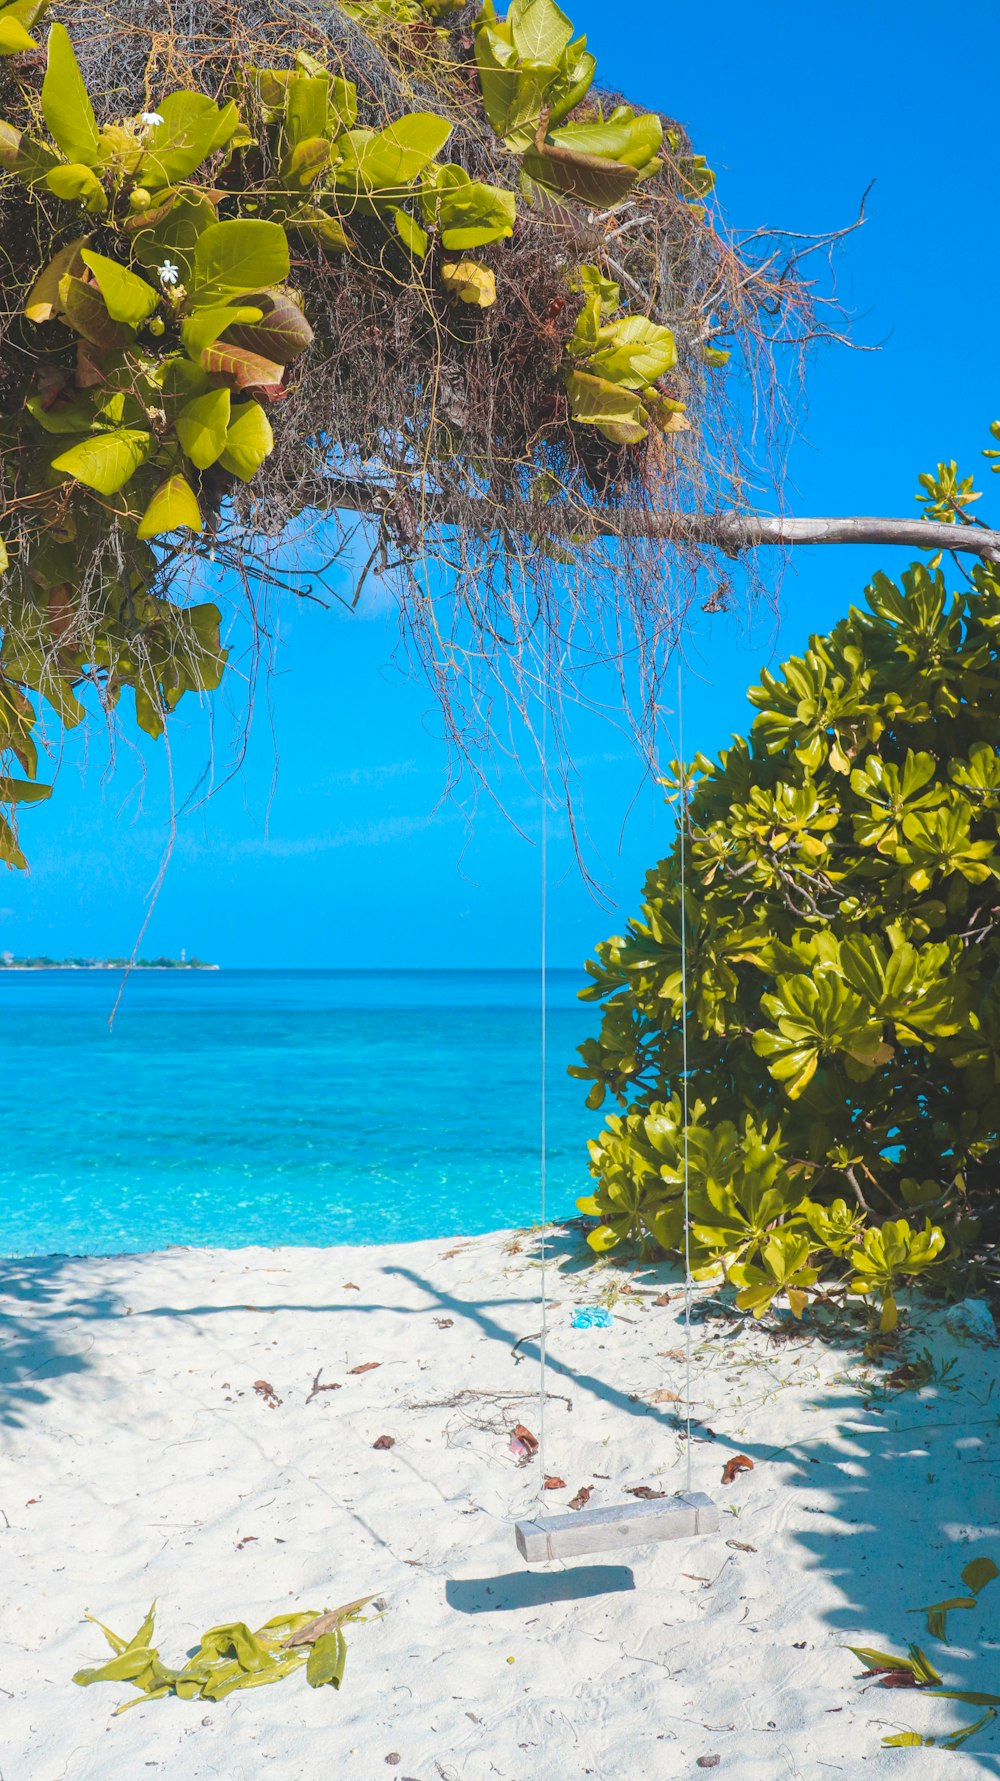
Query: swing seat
[[596, 1530]]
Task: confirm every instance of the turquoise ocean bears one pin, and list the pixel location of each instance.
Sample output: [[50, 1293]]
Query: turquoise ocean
[[309, 1107]]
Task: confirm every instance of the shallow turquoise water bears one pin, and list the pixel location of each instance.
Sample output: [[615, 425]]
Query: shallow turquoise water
[[270, 1107]]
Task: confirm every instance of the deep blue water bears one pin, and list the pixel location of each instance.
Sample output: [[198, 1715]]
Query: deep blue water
[[234, 1107]]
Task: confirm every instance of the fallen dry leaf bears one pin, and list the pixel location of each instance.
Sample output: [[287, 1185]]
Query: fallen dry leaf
[[367, 1366], [524, 1435], [582, 1497], [709, 1762], [247, 1540], [351, 1286], [664, 1396], [672, 1354], [733, 1467], [664, 1299], [895, 1678], [268, 1393], [325, 1623], [384, 1442], [443, 1323], [552, 1483], [644, 1491], [742, 1546]]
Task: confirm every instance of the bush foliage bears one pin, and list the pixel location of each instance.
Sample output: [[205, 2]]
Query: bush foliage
[[842, 946]]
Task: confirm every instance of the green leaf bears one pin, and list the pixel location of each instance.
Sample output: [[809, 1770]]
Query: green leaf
[[473, 215], [248, 441], [13, 36], [327, 1659], [193, 128], [105, 461], [23, 791], [389, 160], [174, 235], [66, 105], [905, 1740], [126, 297], [238, 256], [618, 413], [201, 428], [540, 31], [77, 183], [173, 506], [204, 327]]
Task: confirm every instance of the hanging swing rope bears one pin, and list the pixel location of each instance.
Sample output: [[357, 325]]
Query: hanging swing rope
[[690, 1512]]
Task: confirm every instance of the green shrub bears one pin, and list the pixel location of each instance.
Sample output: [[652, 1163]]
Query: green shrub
[[843, 943]]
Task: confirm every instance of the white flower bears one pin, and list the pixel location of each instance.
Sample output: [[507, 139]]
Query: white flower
[[151, 119], [168, 272]]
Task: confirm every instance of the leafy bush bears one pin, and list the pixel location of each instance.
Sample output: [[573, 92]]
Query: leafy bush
[[842, 938]]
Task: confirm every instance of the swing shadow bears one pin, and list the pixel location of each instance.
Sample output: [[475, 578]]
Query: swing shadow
[[516, 1590]]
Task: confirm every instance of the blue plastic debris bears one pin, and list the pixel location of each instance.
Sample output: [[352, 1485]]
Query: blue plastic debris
[[592, 1317]]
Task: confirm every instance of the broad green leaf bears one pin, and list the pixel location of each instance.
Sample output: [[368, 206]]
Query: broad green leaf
[[105, 461], [617, 412], [127, 298], [173, 506], [193, 128], [411, 233], [233, 257], [204, 327], [389, 160], [473, 215], [43, 300], [72, 417], [13, 36], [307, 106], [880, 1660], [540, 32], [76, 182], [127, 1667], [326, 1660], [66, 105], [173, 235], [248, 441], [116, 1642], [23, 791], [905, 1740], [201, 427]]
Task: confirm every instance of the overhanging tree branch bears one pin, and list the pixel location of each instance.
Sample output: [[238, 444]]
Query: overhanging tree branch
[[729, 532]]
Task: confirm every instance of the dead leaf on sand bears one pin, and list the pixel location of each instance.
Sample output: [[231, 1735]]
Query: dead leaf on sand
[[247, 1540], [672, 1354], [351, 1286], [384, 1442], [709, 1762], [367, 1366], [664, 1396], [268, 1393], [644, 1491], [664, 1299], [526, 1437], [444, 1323], [553, 1483], [328, 1622], [740, 1462], [582, 1497]]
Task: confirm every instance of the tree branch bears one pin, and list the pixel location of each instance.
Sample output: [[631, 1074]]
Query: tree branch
[[729, 532]]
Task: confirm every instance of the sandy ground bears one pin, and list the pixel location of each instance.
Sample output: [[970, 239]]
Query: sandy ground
[[138, 1460]]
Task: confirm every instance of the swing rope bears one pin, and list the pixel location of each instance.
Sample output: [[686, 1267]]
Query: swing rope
[[688, 1280]]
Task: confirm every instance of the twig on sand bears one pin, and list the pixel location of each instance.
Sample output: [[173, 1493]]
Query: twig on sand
[[317, 1387]]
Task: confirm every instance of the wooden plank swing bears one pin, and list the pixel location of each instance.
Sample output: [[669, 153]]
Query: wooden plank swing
[[690, 1512]]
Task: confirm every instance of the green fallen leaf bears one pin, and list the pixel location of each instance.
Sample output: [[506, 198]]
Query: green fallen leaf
[[327, 1659], [978, 1572]]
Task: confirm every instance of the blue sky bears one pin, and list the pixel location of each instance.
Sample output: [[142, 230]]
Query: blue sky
[[332, 844]]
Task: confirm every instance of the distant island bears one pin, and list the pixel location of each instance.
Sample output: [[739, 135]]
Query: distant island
[[8, 962]]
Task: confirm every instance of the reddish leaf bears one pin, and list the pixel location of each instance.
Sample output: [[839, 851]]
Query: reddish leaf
[[384, 1442], [733, 1467], [280, 335], [522, 1434], [268, 1393], [897, 1679], [644, 1491], [367, 1366], [582, 1497], [552, 1483], [349, 1286], [243, 370], [664, 1299]]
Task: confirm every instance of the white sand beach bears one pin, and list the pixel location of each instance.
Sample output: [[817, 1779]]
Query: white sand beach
[[139, 1458]]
